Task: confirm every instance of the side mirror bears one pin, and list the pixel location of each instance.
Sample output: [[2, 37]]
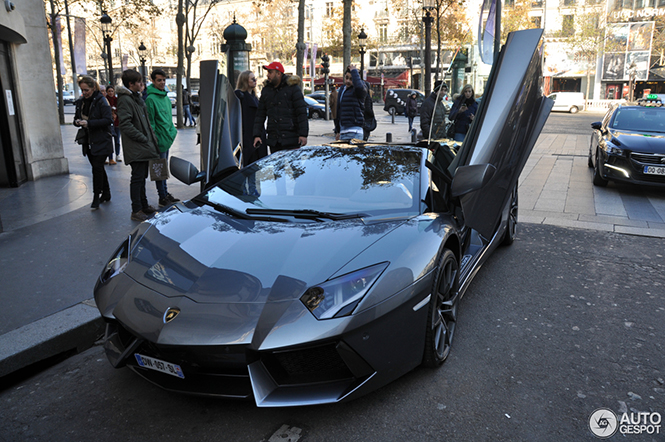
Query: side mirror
[[597, 125], [471, 178], [185, 171]]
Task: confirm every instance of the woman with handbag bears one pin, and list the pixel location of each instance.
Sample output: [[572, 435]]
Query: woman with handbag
[[93, 115], [463, 112]]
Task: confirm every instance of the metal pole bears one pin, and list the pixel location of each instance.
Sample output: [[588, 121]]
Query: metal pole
[[362, 62], [428, 19], [110, 58]]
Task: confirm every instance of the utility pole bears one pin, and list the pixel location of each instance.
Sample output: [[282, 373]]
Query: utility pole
[[180, 21]]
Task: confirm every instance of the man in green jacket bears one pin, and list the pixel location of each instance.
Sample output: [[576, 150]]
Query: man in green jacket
[[161, 120], [138, 140]]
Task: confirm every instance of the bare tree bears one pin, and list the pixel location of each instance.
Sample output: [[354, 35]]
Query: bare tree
[[193, 25], [346, 32]]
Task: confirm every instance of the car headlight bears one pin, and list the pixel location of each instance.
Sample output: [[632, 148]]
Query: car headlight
[[338, 297], [118, 260], [611, 149]]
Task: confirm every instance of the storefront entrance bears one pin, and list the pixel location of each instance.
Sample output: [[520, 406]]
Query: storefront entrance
[[12, 163]]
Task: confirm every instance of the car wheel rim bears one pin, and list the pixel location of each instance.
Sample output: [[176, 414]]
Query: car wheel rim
[[446, 311], [512, 216]]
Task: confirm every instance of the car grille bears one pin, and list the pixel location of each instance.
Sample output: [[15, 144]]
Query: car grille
[[308, 365], [646, 158]]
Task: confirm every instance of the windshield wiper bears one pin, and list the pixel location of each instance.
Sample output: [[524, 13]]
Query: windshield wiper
[[221, 208], [306, 213]]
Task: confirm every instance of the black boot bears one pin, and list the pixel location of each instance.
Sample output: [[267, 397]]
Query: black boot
[[106, 196], [95, 203]]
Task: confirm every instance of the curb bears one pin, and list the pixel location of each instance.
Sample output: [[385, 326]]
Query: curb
[[74, 329]]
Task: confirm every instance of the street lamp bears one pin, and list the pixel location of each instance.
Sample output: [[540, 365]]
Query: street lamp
[[362, 37], [428, 5], [106, 31], [143, 53]]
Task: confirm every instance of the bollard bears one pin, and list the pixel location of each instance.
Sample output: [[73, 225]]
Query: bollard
[[414, 137], [389, 137], [392, 115]]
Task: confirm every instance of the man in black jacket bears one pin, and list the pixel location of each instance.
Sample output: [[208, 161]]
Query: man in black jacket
[[284, 105], [431, 106]]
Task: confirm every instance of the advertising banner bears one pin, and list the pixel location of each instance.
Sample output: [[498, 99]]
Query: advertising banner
[[627, 51], [79, 46]]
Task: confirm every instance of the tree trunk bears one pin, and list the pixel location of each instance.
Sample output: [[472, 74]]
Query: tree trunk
[[346, 33], [71, 51], [56, 56], [300, 46]]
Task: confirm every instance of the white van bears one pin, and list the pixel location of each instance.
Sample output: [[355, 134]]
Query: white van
[[572, 102]]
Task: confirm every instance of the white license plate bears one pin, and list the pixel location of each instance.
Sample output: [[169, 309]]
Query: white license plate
[[158, 365], [654, 170]]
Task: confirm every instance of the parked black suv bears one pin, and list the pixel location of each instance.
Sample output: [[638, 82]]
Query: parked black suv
[[396, 100]]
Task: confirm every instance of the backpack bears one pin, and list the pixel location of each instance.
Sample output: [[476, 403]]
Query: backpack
[[368, 110]]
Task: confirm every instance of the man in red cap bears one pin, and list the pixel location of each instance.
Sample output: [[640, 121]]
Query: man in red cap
[[284, 105]]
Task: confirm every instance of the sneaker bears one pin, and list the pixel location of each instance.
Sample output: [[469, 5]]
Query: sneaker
[[149, 210], [163, 202], [170, 198], [139, 216], [118, 159], [112, 162]]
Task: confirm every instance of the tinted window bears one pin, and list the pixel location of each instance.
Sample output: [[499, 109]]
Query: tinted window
[[642, 119], [339, 180]]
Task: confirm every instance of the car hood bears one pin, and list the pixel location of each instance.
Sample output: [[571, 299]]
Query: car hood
[[639, 141], [188, 254]]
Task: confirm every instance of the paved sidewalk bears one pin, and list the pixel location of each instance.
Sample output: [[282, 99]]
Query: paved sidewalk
[[53, 246]]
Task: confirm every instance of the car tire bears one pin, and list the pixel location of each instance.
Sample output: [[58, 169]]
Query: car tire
[[442, 313], [511, 227], [590, 159], [574, 110], [598, 179], [315, 115]]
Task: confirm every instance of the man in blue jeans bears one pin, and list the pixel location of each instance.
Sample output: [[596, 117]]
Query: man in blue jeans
[[159, 112]]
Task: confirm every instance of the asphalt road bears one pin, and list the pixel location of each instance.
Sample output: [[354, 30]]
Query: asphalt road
[[560, 324]]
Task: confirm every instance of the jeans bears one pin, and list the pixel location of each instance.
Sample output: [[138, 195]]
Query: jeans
[[358, 135], [161, 185], [188, 114], [459, 137], [137, 185], [116, 141], [411, 122], [100, 182]]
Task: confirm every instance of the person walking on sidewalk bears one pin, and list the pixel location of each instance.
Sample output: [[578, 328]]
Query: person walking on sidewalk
[[139, 143], [93, 114], [161, 119], [350, 107], [112, 98], [411, 109], [284, 105], [186, 107]]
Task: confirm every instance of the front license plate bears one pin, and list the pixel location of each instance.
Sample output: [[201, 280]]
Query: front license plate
[[158, 365], [654, 170]]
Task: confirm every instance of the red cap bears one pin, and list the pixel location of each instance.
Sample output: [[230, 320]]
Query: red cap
[[275, 65]]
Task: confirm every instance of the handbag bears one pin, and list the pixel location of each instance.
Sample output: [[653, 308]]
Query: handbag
[[159, 170], [450, 131], [370, 125], [82, 136]]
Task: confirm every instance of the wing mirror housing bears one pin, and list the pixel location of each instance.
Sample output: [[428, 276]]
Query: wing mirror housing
[[185, 171], [597, 125], [471, 178]]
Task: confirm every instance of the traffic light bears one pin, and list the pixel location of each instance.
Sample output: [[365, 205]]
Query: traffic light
[[325, 64]]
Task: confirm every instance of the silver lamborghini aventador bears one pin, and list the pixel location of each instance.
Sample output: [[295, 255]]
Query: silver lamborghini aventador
[[319, 274]]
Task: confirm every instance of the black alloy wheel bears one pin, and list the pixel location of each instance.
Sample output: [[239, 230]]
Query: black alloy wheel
[[442, 315], [315, 115], [511, 228], [598, 179]]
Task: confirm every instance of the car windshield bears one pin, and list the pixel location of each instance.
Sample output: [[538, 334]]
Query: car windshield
[[339, 180], [641, 119]]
